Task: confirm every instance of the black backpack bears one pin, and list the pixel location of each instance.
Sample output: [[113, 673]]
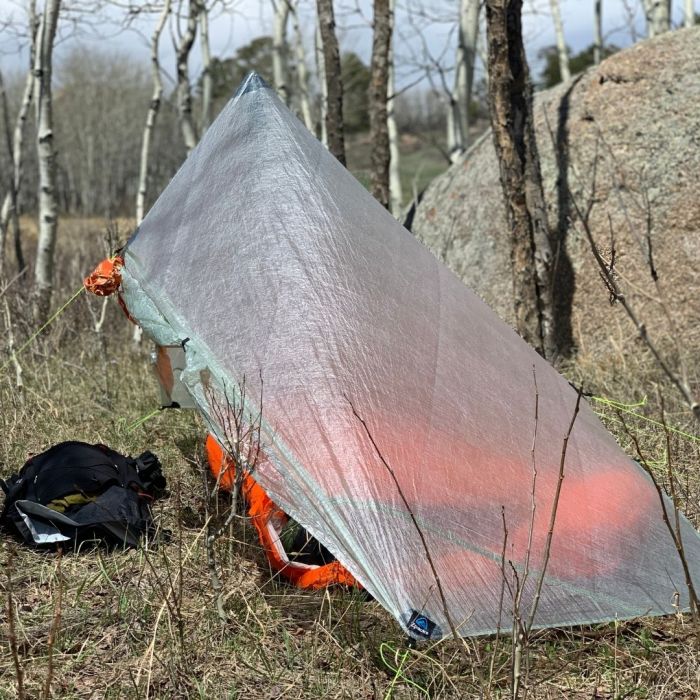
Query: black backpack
[[75, 492]]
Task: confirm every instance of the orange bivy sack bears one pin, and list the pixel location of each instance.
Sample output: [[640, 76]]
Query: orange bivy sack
[[268, 520]]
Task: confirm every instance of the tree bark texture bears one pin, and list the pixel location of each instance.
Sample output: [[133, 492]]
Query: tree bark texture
[[46, 157], [152, 115], [333, 80], [378, 94], [184, 93], [510, 97], [321, 73]]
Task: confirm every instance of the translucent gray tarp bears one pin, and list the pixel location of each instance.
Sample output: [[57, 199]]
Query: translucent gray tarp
[[274, 262]]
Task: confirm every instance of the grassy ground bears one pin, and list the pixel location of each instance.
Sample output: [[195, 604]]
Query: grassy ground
[[143, 624]]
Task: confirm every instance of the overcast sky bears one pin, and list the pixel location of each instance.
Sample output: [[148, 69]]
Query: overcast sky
[[102, 29]]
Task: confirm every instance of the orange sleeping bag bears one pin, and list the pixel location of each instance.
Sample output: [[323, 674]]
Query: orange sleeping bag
[[268, 520]]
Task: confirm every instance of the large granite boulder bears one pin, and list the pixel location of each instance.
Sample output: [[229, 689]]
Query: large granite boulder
[[623, 139]]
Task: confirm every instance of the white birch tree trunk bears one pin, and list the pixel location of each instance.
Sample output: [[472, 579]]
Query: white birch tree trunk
[[466, 60], [395, 189], [302, 73], [10, 210], [483, 55], [46, 157], [184, 92], [10, 202], [455, 133], [206, 66], [689, 14], [279, 50], [152, 115], [597, 31], [10, 206], [658, 16], [561, 43], [321, 73], [648, 6]]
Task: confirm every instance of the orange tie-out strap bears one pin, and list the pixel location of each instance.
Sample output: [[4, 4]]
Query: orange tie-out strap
[[268, 518], [106, 279]]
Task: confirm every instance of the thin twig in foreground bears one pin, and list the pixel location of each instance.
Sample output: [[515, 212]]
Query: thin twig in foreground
[[553, 516], [414, 520], [522, 631], [55, 626], [12, 630], [674, 532]]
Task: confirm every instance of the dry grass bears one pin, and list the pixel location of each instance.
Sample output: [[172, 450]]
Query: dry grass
[[142, 624]]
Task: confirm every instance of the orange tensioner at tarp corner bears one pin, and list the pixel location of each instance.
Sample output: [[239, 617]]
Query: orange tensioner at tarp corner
[[106, 279], [268, 519]]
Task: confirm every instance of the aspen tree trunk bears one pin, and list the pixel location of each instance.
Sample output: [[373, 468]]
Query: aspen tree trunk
[[378, 93], [510, 97], [206, 66], [332, 79], [46, 157], [280, 50], [689, 14], [321, 74], [395, 189], [151, 118], [10, 207], [658, 16], [648, 6], [152, 115], [184, 93], [10, 202], [598, 31], [466, 59], [302, 73], [561, 43], [455, 133], [10, 211]]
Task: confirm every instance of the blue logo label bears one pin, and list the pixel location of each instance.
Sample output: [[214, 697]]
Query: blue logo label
[[422, 623], [419, 626]]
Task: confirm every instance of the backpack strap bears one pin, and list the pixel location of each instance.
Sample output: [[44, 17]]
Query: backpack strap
[[149, 470]]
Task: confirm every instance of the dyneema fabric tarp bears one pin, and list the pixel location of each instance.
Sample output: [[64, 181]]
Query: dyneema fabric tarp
[[387, 382]]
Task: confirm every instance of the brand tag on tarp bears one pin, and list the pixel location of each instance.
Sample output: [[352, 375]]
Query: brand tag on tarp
[[421, 626]]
